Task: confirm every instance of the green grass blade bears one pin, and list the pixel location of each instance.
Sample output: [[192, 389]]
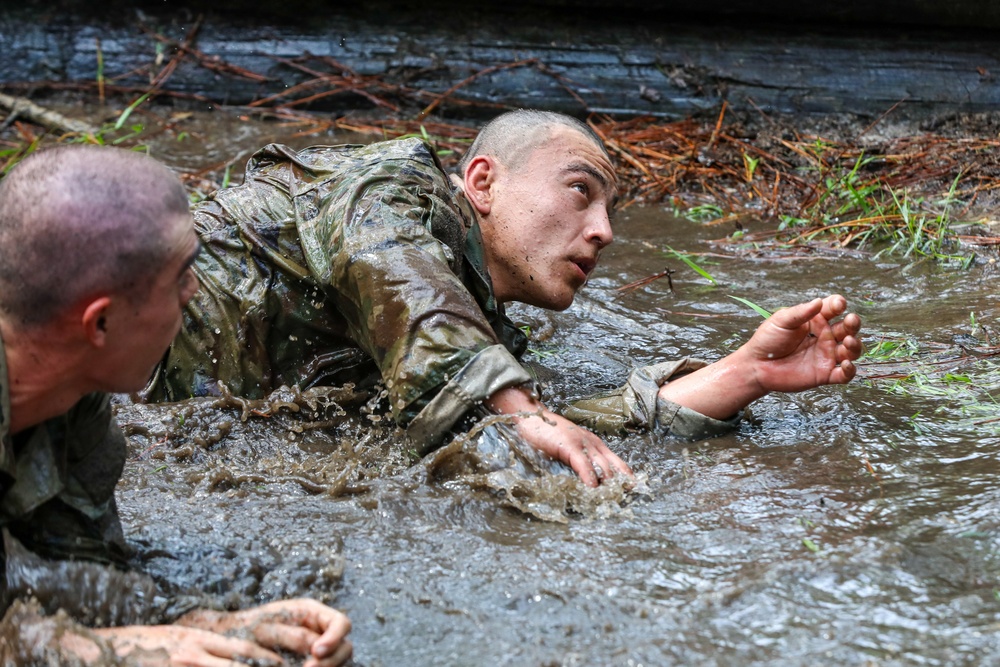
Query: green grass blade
[[750, 304], [128, 111], [694, 267]]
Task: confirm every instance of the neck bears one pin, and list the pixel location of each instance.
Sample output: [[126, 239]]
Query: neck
[[40, 377], [485, 233]]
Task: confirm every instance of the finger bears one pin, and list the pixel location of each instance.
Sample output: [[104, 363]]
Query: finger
[[340, 656], [337, 625], [581, 465], [612, 461], [833, 306], [621, 466], [213, 661], [598, 461], [852, 324], [850, 349], [844, 373], [849, 326], [796, 316], [239, 650], [577, 459], [305, 612], [293, 638]]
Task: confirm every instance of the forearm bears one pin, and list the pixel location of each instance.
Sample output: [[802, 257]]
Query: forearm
[[638, 405], [719, 390]]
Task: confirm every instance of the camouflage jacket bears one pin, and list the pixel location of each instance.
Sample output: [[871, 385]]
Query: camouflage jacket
[[57, 480], [340, 264]]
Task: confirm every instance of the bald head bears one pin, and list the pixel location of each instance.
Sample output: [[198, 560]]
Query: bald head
[[80, 221], [510, 137]]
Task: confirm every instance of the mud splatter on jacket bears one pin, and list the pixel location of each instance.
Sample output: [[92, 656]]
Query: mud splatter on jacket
[[340, 264], [57, 480]]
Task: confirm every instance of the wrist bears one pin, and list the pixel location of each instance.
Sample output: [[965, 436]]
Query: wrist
[[742, 372], [719, 390], [515, 399]]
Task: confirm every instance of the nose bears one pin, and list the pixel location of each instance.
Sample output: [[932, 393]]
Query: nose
[[599, 230]]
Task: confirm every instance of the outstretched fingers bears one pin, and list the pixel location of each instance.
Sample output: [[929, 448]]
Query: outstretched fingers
[[604, 463], [578, 448], [189, 646], [576, 457], [796, 316], [221, 651]]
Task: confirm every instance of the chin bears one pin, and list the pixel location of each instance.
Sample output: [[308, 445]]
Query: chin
[[562, 305], [553, 302]]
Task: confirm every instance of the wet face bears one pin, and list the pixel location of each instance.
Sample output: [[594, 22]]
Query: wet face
[[141, 329], [545, 222]]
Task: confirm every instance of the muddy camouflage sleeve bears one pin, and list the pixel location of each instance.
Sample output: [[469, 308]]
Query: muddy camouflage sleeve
[[637, 405]]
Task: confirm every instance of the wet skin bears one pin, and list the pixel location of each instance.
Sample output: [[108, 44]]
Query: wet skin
[[545, 222]]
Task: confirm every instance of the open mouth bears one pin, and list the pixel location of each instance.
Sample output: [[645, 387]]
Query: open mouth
[[586, 265]]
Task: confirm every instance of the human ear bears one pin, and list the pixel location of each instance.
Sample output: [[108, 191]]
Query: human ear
[[95, 321], [478, 181]]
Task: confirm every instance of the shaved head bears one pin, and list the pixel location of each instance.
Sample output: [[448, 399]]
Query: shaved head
[[82, 221], [511, 137]]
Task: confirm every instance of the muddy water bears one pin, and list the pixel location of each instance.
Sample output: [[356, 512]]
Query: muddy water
[[845, 526], [776, 544]]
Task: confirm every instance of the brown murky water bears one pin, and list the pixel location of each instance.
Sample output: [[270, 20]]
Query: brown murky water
[[844, 526]]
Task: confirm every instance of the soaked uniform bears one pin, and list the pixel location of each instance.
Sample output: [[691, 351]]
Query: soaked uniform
[[57, 480], [341, 264]]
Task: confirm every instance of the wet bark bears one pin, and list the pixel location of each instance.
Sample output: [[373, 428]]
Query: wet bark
[[548, 59]]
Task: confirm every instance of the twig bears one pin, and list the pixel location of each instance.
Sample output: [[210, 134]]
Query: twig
[[666, 273], [30, 111], [718, 126]]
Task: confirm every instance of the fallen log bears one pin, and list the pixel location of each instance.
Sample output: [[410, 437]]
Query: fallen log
[[464, 64]]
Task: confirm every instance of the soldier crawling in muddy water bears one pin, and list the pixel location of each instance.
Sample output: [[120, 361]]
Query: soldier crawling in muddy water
[[361, 263], [97, 245]]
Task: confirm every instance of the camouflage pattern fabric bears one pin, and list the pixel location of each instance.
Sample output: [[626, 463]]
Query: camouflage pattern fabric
[[57, 480], [341, 264]]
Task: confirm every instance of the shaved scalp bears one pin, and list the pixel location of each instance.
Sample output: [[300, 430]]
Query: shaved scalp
[[511, 137], [78, 222]]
